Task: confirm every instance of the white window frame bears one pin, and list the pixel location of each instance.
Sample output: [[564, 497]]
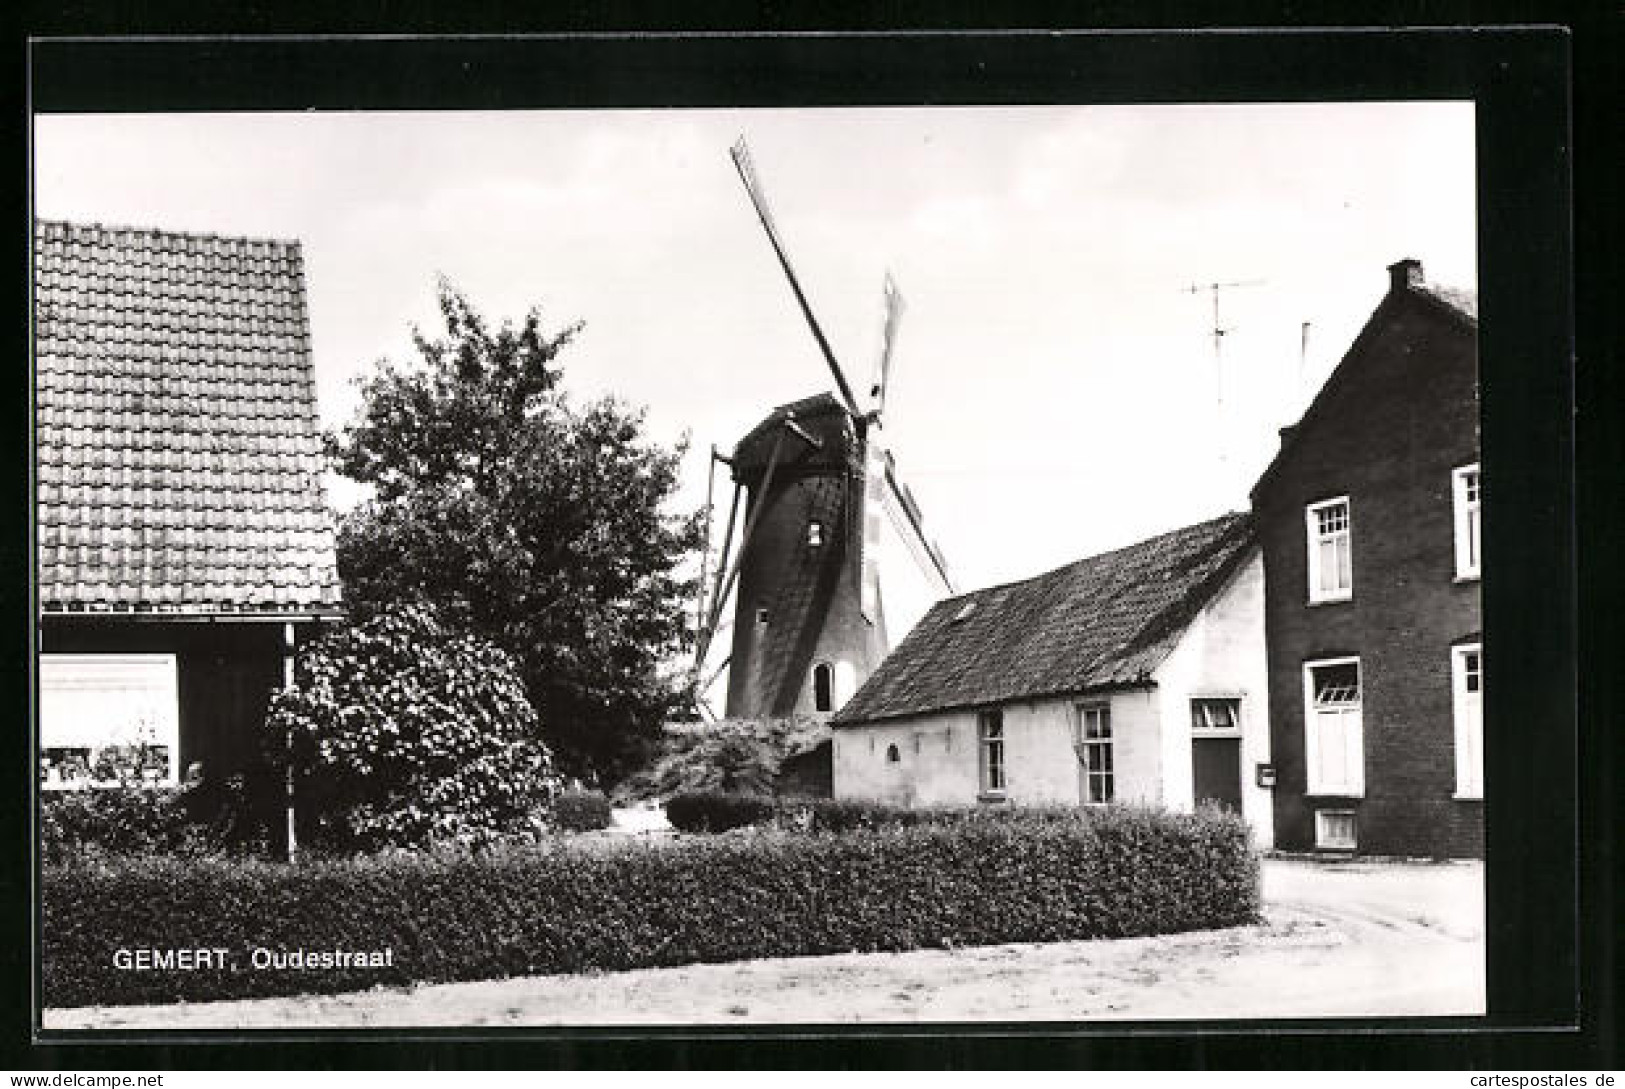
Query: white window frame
[[1233, 730], [1313, 536], [992, 772], [1323, 839], [1096, 751], [1468, 711], [1354, 755], [1468, 509], [157, 719]]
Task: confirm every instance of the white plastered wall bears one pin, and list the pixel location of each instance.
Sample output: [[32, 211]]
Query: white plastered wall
[[1221, 654]]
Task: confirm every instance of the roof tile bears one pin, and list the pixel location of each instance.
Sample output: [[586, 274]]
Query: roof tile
[[1102, 622], [175, 409]]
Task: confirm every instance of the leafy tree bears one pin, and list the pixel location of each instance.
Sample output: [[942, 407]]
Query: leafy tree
[[732, 756], [537, 523], [405, 733]]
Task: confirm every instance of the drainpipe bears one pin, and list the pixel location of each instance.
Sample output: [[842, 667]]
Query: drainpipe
[[287, 682]]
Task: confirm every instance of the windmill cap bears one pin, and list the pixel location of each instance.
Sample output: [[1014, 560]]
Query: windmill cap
[[820, 416]]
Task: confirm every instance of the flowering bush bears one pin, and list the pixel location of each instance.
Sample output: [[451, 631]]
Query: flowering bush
[[403, 733]]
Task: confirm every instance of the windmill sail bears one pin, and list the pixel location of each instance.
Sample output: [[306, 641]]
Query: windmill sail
[[888, 342], [747, 174], [905, 513]]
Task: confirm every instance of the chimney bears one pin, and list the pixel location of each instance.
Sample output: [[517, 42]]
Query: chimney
[[1405, 274]]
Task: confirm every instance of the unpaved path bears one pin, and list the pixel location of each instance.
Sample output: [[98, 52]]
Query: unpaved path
[[1352, 939]]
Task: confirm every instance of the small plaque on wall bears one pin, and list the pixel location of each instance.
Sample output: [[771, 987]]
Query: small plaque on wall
[[1266, 775]]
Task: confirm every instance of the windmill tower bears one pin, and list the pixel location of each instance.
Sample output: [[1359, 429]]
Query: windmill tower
[[820, 491]]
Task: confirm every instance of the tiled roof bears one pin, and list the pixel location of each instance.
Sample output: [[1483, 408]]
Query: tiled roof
[[1103, 622], [178, 458], [1460, 299]]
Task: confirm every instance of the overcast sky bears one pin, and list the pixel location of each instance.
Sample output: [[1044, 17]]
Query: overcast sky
[[1054, 388]]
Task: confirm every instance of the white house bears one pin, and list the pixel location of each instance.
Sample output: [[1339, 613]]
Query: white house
[[1136, 675]]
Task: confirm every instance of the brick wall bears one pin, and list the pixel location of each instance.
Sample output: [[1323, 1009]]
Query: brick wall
[[810, 594], [1390, 427]]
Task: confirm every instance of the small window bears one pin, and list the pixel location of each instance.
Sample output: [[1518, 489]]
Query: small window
[[990, 730], [823, 687], [815, 534], [892, 755], [1093, 744], [1467, 678], [1334, 829], [1468, 534], [1212, 715], [761, 614], [1331, 560]]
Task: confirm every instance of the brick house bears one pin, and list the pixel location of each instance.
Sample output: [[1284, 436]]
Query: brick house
[[1369, 521], [184, 544], [1136, 675]]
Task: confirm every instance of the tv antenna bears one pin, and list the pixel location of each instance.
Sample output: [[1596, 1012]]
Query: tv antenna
[[1218, 334]]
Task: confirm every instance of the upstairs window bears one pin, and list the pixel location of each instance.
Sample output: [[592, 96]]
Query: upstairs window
[[990, 731], [1331, 560], [823, 687], [1468, 544], [1092, 742], [815, 534]]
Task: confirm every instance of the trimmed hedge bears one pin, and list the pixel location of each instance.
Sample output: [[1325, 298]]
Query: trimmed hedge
[[577, 810], [722, 811], [619, 905], [717, 810]]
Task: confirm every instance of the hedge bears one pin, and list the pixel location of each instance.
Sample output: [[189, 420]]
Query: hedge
[[577, 810], [615, 905], [721, 811], [717, 810]]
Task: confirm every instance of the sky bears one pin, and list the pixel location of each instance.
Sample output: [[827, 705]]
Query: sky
[[1054, 388]]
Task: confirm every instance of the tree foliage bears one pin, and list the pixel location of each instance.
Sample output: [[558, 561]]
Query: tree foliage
[[404, 733], [535, 522], [738, 756]]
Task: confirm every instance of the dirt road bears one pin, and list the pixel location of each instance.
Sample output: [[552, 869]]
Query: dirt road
[[1351, 939]]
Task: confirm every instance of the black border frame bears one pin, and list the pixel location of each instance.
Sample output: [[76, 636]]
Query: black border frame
[[1520, 78]]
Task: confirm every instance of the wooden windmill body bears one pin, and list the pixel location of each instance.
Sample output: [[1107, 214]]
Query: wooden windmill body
[[808, 621]]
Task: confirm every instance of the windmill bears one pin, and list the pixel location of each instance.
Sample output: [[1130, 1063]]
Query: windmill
[[819, 488]]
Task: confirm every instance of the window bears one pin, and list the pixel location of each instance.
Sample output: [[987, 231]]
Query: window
[[823, 687], [1467, 676], [108, 718], [1093, 744], [1334, 829], [1468, 541], [1331, 562], [1333, 727], [892, 755], [761, 614], [1211, 716], [990, 729], [815, 534]]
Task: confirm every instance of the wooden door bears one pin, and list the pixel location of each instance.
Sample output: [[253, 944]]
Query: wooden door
[[1217, 770]]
